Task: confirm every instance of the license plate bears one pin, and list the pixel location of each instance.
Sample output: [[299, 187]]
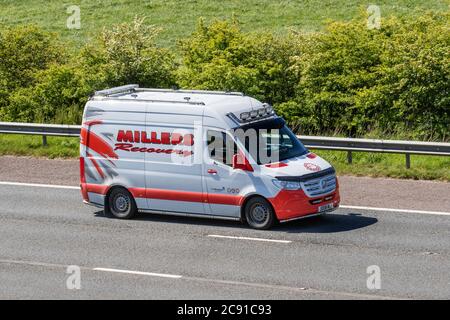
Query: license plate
[[326, 207]]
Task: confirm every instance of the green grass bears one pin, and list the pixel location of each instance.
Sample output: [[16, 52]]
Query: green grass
[[389, 165], [24, 145], [364, 164], [178, 17]]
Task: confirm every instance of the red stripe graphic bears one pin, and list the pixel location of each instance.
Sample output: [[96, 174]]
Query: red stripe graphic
[[175, 195], [96, 188], [94, 142], [83, 180], [163, 194], [92, 122], [96, 165], [276, 165]]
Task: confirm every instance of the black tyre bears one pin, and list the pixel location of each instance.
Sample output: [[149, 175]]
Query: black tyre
[[121, 204], [259, 213]]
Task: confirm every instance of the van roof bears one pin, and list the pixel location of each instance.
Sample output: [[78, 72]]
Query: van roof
[[215, 103], [133, 92]]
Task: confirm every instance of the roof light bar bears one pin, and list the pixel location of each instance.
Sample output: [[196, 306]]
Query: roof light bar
[[245, 116], [254, 115]]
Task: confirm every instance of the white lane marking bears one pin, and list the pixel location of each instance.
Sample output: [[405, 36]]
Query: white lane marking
[[54, 186], [39, 185], [141, 273], [247, 238], [396, 210]]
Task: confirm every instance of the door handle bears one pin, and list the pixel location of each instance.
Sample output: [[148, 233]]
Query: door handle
[[212, 171]]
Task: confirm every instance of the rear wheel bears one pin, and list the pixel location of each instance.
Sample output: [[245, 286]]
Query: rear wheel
[[259, 213], [121, 204]]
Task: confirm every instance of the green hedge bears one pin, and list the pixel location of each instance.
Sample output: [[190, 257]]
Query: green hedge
[[346, 80], [221, 57], [394, 79]]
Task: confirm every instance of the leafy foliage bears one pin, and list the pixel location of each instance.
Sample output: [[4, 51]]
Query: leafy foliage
[[128, 54], [58, 97], [346, 80], [24, 51], [221, 57], [394, 79]]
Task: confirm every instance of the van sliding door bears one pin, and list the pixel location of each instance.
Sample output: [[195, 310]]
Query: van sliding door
[[173, 177]]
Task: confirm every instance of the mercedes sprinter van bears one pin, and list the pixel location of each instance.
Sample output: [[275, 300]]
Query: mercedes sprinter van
[[198, 153]]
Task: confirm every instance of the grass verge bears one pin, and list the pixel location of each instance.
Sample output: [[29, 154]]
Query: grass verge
[[389, 165], [178, 18], [25, 145], [364, 164]]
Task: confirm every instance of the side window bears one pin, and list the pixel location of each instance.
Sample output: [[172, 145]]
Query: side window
[[221, 148], [286, 141]]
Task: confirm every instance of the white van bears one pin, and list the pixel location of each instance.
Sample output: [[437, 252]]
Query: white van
[[198, 153]]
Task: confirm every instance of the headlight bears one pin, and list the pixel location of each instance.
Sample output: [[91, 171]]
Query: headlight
[[287, 185]]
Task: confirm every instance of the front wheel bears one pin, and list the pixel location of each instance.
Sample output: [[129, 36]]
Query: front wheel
[[259, 213], [121, 204]]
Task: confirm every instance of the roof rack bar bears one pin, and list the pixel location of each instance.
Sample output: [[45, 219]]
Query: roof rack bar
[[116, 90], [232, 93], [155, 100]]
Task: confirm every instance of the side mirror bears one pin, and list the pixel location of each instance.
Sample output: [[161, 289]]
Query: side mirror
[[241, 162]]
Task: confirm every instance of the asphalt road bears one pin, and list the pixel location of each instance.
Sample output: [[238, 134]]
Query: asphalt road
[[355, 191], [43, 230]]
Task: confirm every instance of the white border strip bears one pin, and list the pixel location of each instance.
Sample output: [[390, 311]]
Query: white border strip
[[247, 238], [151, 274], [396, 210]]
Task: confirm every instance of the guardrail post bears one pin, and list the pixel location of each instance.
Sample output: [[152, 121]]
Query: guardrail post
[[408, 160], [44, 140], [349, 157]]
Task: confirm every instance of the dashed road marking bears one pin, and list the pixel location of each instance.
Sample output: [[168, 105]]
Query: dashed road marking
[[141, 273], [249, 239], [37, 185], [443, 213]]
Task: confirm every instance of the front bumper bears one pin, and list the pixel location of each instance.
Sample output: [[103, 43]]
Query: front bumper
[[292, 205]]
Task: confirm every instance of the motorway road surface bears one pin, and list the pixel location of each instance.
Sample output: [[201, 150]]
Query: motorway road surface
[[43, 230]]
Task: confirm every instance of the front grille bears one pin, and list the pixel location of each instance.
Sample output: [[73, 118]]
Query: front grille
[[319, 186]]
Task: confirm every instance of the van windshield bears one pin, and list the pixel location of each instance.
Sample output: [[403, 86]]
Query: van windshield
[[270, 141]]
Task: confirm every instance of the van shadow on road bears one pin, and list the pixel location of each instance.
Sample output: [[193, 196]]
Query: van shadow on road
[[330, 223]]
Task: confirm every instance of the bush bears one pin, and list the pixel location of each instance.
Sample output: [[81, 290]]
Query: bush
[[414, 87], [24, 51], [58, 97], [127, 54], [394, 79], [221, 57], [4, 93]]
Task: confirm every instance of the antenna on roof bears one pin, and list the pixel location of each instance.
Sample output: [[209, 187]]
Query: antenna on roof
[[117, 90]]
